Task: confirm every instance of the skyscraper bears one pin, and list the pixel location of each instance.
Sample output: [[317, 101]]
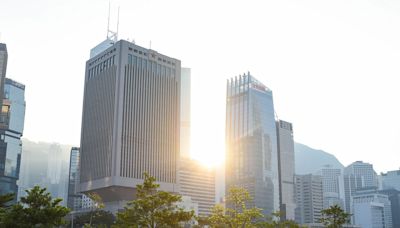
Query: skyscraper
[[130, 121], [251, 142], [185, 113], [74, 201], [391, 180], [11, 129], [358, 175], [286, 170], [308, 198], [198, 182], [371, 209], [3, 69], [333, 186]]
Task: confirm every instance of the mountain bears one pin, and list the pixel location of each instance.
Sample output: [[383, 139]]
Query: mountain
[[309, 160]]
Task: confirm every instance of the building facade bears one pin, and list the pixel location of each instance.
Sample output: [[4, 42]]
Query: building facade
[[309, 198], [391, 180], [333, 186], [185, 112], [74, 201], [371, 209], [358, 175], [251, 142], [197, 182], [11, 130], [3, 69], [394, 198], [286, 170], [130, 122]]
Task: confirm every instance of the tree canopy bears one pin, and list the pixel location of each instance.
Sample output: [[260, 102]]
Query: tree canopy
[[37, 209], [334, 217], [153, 208]]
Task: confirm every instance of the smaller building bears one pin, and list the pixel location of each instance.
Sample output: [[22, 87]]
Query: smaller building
[[309, 198], [371, 209], [391, 180], [12, 118], [197, 182], [394, 198]]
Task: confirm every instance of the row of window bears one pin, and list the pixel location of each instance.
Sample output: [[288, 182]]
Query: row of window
[[101, 66], [153, 56], [151, 66], [103, 56]]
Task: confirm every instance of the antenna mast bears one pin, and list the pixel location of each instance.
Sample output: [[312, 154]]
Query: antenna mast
[[116, 34], [108, 22]]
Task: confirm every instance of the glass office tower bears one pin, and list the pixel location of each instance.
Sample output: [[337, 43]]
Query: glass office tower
[[11, 129], [251, 142]]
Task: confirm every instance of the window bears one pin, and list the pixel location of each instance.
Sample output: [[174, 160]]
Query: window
[[129, 59]]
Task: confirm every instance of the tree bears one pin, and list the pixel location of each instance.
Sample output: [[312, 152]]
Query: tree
[[99, 217], [6, 199], [37, 209], [97, 205], [153, 208], [275, 221], [237, 214], [334, 217]]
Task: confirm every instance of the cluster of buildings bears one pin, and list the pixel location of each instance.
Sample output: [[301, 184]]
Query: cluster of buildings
[[136, 119], [372, 200], [12, 116]]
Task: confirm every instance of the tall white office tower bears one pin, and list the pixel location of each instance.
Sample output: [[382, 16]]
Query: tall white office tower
[[185, 112], [286, 170], [130, 121], [358, 175], [391, 180], [309, 198], [333, 186], [251, 142], [371, 209]]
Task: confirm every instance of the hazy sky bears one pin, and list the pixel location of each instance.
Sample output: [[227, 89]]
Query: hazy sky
[[333, 66]]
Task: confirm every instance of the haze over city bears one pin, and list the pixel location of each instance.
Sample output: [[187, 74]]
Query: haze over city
[[332, 66]]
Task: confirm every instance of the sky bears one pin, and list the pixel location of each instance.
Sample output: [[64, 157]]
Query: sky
[[333, 66]]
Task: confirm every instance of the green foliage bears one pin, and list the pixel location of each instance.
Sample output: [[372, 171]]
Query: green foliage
[[100, 218], [153, 208], [37, 209], [275, 222], [237, 215], [6, 199], [334, 217]]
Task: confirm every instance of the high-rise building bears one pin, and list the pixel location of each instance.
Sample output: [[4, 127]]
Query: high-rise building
[[251, 142], [371, 209], [286, 170], [198, 182], [333, 186], [358, 175], [394, 198], [391, 180], [185, 113], [309, 198], [11, 129], [3, 69], [74, 201], [130, 122]]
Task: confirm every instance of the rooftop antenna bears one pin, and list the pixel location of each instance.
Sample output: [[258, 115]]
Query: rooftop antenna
[[108, 22], [116, 35]]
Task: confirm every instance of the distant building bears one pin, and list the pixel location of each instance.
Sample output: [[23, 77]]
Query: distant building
[[286, 170], [3, 69], [309, 198], [74, 197], [251, 142], [197, 182], [394, 198], [358, 175], [333, 186], [371, 209], [391, 180], [11, 128], [130, 121], [185, 113]]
